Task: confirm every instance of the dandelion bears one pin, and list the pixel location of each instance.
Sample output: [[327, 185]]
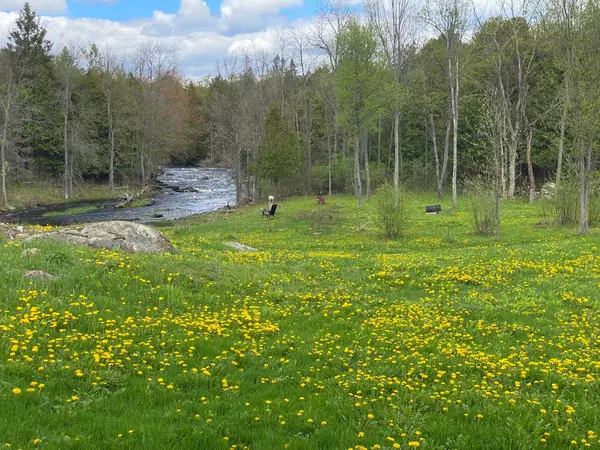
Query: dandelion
[[16, 391]]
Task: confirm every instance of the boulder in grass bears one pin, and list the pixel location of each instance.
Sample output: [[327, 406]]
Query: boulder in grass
[[39, 275], [240, 247], [548, 190], [115, 235], [29, 252]]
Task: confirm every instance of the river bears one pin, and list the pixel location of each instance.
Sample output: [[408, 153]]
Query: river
[[183, 192]]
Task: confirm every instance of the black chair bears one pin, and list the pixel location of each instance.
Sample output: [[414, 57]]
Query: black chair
[[270, 213], [433, 209]]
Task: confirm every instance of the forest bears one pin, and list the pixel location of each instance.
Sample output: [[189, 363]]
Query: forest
[[438, 95]]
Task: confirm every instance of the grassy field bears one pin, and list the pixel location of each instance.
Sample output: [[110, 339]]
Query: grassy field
[[329, 337]]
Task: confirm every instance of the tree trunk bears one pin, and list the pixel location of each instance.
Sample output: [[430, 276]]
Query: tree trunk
[[397, 153], [438, 178], [3, 165], [357, 181], [426, 154], [531, 175], [379, 142], [238, 172], [512, 167], [66, 146], [367, 169], [454, 97], [561, 142], [584, 188], [143, 166], [71, 171], [329, 162], [111, 132], [7, 104]]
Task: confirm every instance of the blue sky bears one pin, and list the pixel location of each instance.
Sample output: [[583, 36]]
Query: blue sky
[[124, 10], [202, 31]]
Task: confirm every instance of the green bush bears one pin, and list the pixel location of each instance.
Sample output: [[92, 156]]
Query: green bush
[[563, 208], [485, 207], [566, 203], [389, 211]]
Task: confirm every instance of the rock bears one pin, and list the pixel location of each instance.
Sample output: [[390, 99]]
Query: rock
[[185, 189], [29, 252], [240, 247], [38, 275], [548, 190], [127, 236]]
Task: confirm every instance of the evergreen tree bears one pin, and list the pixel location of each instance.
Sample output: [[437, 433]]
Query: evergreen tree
[[39, 137], [279, 157], [29, 41]]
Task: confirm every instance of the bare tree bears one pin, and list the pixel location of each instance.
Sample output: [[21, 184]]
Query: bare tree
[[111, 69], [449, 19], [68, 74], [154, 64], [10, 110], [391, 19]]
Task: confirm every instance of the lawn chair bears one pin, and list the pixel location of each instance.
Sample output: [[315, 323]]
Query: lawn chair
[[270, 212]]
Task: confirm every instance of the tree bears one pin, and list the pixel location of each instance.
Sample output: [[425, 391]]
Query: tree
[[68, 75], [27, 44], [361, 89], [10, 80], [390, 19], [155, 66], [448, 18], [279, 157], [510, 46]]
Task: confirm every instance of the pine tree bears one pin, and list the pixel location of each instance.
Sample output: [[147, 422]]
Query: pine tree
[[28, 40], [39, 137], [279, 157]]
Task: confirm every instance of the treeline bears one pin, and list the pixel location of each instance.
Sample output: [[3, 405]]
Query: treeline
[[430, 95], [84, 113], [361, 98]]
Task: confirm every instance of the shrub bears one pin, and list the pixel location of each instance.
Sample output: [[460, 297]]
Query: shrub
[[322, 218], [389, 213], [566, 203], [563, 208], [485, 207]]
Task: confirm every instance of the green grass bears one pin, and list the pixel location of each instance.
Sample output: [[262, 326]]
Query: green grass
[[28, 195], [441, 337], [71, 211]]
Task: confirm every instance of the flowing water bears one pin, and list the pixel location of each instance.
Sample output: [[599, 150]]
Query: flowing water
[[183, 192]]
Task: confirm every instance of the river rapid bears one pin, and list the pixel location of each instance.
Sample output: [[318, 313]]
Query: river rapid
[[182, 192]]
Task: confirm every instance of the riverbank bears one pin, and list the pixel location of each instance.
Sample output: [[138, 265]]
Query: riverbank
[[27, 196], [327, 337]]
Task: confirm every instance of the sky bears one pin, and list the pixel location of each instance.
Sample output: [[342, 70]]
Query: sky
[[202, 31]]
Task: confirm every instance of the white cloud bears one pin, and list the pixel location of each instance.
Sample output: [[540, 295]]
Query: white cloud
[[200, 39], [193, 15], [40, 6], [252, 15]]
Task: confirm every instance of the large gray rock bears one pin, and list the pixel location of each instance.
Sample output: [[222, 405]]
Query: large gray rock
[[38, 275], [240, 247], [548, 190], [127, 236]]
